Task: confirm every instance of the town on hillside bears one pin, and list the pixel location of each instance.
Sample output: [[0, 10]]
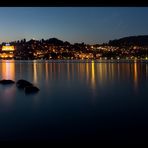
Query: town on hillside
[[135, 47]]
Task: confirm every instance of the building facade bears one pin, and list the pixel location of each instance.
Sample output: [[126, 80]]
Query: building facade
[[7, 52]]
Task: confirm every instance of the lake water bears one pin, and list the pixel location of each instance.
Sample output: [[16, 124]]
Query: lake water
[[78, 101]]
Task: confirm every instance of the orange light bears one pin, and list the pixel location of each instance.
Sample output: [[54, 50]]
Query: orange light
[[8, 48], [10, 56]]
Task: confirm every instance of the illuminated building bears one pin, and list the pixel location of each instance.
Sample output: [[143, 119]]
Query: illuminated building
[[7, 52]]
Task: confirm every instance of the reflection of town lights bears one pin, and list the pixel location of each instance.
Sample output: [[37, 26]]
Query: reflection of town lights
[[146, 58]]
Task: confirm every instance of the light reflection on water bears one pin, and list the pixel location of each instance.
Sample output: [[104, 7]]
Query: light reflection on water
[[92, 92], [8, 70], [93, 75]]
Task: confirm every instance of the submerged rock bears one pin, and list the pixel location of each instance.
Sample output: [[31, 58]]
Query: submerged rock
[[23, 83], [27, 86], [31, 89], [6, 81]]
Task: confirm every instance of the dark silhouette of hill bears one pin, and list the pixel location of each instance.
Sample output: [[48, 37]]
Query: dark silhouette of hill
[[54, 41], [51, 41], [141, 40]]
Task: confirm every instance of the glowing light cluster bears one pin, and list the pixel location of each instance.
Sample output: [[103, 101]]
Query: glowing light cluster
[[8, 48], [4, 55]]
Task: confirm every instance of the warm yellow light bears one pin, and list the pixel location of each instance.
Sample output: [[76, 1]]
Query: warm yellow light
[[10, 56], [135, 75], [93, 74], [8, 48], [8, 69], [35, 72]]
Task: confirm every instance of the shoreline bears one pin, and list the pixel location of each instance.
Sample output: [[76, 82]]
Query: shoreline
[[79, 60]]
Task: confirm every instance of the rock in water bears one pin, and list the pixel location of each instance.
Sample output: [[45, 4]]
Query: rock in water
[[31, 89], [6, 81], [23, 83]]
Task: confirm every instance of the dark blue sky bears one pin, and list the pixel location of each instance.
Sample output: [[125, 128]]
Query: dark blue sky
[[74, 24]]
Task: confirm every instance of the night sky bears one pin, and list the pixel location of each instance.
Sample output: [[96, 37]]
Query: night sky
[[74, 24]]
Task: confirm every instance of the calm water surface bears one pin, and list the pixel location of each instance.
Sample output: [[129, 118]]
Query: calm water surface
[[104, 102]]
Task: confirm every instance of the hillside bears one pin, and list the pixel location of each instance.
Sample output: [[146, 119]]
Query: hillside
[[141, 40]]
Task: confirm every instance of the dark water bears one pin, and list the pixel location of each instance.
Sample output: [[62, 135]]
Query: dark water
[[91, 102]]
